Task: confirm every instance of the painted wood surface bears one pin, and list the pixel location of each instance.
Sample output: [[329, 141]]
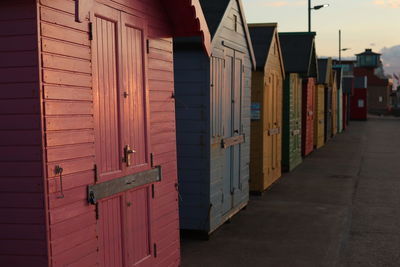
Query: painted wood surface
[[319, 119], [328, 113], [213, 103], [308, 103], [268, 93], [359, 104], [117, 89], [292, 118], [334, 106], [23, 232], [345, 111], [339, 80], [74, 94]]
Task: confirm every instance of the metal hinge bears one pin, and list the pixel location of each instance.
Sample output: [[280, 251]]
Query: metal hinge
[[97, 211], [148, 46], [152, 160], [96, 175], [152, 191], [155, 250], [90, 31]]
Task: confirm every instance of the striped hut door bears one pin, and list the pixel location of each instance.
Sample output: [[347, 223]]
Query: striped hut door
[[122, 145]]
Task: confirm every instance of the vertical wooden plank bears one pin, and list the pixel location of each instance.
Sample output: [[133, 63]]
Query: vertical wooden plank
[[109, 229], [137, 229], [134, 87], [107, 113]]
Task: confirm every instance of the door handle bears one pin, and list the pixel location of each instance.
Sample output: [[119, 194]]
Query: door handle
[[127, 155]]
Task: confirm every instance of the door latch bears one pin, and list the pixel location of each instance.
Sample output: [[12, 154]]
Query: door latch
[[58, 170], [127, 155]]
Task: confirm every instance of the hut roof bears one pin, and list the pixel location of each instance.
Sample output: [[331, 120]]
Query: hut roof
[[215, 12], [298, 49]]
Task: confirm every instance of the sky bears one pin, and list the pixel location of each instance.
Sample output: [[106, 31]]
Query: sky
[[364, 23]]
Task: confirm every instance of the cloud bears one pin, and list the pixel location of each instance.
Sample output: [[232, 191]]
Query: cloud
[[391, 59], [387, 3]]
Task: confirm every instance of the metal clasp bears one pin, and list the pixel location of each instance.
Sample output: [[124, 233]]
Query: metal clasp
[[127, 155]]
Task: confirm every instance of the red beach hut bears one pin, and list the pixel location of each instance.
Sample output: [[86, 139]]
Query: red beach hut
[[88, 170]]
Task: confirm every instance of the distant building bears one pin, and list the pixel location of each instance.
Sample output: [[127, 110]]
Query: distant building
[[347, 67], [379, 86]]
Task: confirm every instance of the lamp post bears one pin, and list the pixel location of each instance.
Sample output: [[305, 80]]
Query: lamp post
[[340, 47], [309, 12]]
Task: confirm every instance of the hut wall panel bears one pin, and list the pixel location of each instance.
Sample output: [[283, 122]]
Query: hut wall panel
[[256, 155], [345, 110], [192, 136], [272, 117], [69, 127], [319, 121], [340, 105], [22, 208], [241, 194], [334, 109], [308, 116], [292, 110], [270, 100], [328, 113]]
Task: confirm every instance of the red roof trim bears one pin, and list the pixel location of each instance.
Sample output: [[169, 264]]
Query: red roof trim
[[188, 20]]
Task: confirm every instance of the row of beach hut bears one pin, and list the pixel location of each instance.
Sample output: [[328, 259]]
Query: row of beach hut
[[124, 121]]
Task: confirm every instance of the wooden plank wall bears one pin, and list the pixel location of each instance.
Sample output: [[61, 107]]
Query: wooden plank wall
[[334, 107], [69, 130], [319, 120], [273, 102], [340, 102], [256, 138], [192, 102], [308, 116], [227, 32], [292, 119], [328, 113], [22, 207]]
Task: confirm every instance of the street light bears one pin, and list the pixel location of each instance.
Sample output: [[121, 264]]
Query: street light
[[309, 12], [340, 47]]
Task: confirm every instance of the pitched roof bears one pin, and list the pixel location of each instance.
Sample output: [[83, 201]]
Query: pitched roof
[[368, 51], [339, 76], [188, 20], [261, 37], [324, 70], [216, 10], [322, 67], [298, 49]]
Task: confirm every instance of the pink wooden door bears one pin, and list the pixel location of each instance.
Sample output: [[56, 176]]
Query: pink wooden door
[[133, 93], [122, 142], [137, 229], [107, 94], [110, 222]]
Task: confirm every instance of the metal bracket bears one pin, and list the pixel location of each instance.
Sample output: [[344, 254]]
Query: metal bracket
[[82, 8], [109, 188]]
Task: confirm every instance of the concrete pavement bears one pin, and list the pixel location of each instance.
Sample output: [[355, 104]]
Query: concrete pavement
[[341, 207]]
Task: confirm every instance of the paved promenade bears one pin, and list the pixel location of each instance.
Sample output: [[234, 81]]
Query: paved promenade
[[341, 207]]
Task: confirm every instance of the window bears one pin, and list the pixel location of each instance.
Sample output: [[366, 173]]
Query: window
[[235, 21], [380, 99], [361, 103]]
